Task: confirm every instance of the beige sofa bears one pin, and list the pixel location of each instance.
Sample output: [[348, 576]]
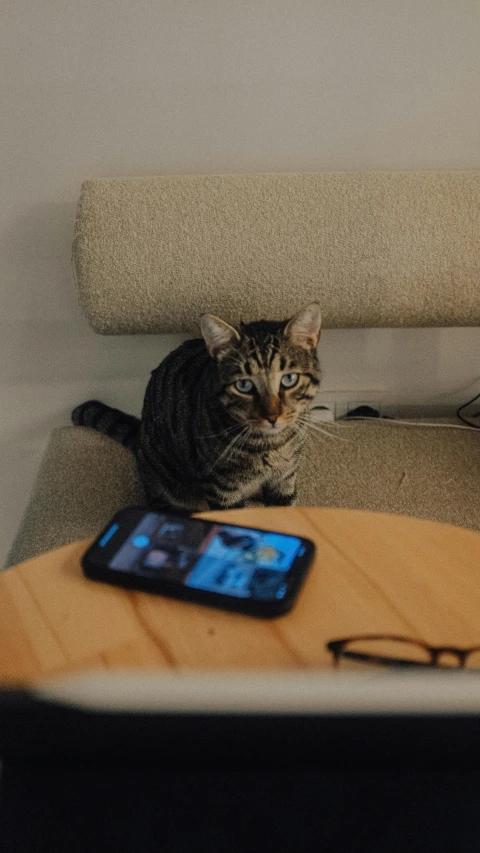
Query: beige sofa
[[375, 249]]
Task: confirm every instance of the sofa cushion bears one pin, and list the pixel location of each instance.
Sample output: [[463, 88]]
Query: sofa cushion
[[431, 473], [84, 478], [374, 248], [427, 471]]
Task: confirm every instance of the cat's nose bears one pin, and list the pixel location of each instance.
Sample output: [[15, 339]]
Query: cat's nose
[[272, 419]]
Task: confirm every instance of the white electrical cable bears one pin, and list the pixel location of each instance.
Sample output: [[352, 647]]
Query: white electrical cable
[[406, 423]]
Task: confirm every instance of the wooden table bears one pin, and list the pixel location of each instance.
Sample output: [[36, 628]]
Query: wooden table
[[372, 573]]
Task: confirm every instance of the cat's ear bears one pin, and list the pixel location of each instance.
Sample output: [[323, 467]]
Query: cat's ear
[[303, 330], [217, 334]]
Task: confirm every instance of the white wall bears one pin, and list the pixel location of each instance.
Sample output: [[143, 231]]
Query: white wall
[[96, 89]]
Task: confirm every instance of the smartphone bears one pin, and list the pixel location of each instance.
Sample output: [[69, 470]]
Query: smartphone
[[258, 572]]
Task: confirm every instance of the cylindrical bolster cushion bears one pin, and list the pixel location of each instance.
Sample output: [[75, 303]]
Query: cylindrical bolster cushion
[[375, 249]]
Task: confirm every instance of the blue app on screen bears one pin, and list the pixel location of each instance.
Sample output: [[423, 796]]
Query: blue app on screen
[[228, 560]]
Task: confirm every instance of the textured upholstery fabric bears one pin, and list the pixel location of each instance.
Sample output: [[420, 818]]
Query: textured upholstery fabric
[[375, 249], [430, 473], [84, 478]]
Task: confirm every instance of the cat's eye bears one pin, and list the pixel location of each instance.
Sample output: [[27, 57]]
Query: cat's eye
[[244, 385], [289, 380]]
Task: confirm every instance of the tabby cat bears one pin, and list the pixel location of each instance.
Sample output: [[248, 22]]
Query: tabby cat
[[224, 416]]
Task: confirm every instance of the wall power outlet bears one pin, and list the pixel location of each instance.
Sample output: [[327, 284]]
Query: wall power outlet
[[341, 403]]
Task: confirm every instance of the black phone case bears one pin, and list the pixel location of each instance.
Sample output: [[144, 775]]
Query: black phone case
[[251, 607]]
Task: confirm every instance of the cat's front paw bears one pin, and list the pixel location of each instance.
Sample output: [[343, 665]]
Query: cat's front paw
[[278, 499], [215, 505]]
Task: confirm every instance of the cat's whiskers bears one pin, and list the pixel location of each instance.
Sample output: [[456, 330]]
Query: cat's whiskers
[[222, 432], [313, 427], [229, 448], [245, 439], [318, 429], [335, 424]]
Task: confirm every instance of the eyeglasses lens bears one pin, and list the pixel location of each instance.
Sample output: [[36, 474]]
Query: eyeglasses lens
[[359, 654]]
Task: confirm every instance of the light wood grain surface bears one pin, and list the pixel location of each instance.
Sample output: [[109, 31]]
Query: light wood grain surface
[[372, 573]]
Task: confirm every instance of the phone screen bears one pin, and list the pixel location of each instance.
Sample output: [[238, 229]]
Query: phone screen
[[229, 560]]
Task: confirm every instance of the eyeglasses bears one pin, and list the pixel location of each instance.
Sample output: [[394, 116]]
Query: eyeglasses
[[396, 651]]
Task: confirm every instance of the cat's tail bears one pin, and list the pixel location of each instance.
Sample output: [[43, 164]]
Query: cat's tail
[[112, 422]]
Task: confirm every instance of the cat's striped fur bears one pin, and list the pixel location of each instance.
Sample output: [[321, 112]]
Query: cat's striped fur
[[218, 422], [112, 422]]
